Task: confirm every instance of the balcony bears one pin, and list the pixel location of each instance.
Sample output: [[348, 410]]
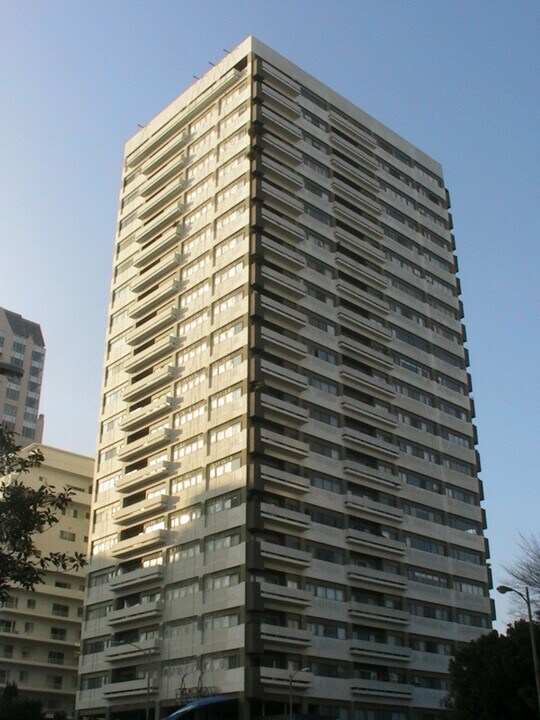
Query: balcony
[[146, 414], [280, 126], [160, 200], [139, 360], [359, 222], [129, 688], [284, 635], [136, 578], [378, 447], [365, 179], [371, 328], [282, 314], [162, 222], [378, 614], [284, 480], [373, 510], [164, 155], [283, 410], [283, 255], [365, 352], [376, 688], [139, 544], [279, 555], [353, 151], [362, 381], [152, 327], [281, 150], [361, 272], [282, 678], [281, 104], [353, 196], [151, 252], [283, 345], [283, 82], [369, 250], [281, 284], [280, 226], [138, 479], [136, 613], [159, 180], [284, 202], [372, 476], [144, 446], [283, 378], [379, 651], [131, 514], [127, 651], [364, 299], [282, 595], [384, 546], [283, 446], [280, 174], [148, 384], [152, 274], [156, 298], [283, 516], [378, 415], [352, 130], [367, 577]]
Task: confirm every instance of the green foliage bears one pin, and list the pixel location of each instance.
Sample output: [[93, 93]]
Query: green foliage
[[14, 708], [21, 710], [25, 513], [492, 678]]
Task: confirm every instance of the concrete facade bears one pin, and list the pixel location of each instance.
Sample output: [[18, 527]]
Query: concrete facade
[[40, 629], [286, 496], [22, 357]]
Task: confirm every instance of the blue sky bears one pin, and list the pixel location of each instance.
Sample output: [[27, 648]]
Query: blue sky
[[458, 79]]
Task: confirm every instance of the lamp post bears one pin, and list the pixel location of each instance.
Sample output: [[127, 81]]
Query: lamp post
[[292, 675], [505, 589], [147, 654]]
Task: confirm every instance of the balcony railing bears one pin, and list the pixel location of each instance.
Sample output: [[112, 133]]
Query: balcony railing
[[139, 478], [136, 578], [136, 613]]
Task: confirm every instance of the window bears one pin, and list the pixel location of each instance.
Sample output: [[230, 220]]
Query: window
[[185, 516], [55, 657], [69, 536], [189, 480], [60, 610], [224, 502], [184, 552], [58, 633], [219, 581], [417, 542], [225, 432], [326, 591], [224, 466]]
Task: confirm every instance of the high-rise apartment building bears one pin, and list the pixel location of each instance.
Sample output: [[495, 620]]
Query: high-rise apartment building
[[22, 356], [286, 503], [40, 629]]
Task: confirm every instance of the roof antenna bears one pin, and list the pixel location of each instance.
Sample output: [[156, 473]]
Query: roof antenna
[[226, 51]]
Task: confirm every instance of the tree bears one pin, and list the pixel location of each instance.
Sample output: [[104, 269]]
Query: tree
[[25, 513], [526, 569], [492, 678], [14, 708]]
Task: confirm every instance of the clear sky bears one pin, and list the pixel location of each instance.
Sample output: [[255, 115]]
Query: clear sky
[[458, 79]]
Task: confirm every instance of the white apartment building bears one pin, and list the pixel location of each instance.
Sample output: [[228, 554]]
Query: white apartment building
[[286, 505], [22, 358], [40, 629]]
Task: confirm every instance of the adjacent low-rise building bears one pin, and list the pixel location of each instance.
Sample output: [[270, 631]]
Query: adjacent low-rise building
[[40, 629]]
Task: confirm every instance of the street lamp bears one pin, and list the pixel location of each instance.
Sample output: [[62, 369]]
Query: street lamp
[[147, 654], [505, 589], [292, 675]]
